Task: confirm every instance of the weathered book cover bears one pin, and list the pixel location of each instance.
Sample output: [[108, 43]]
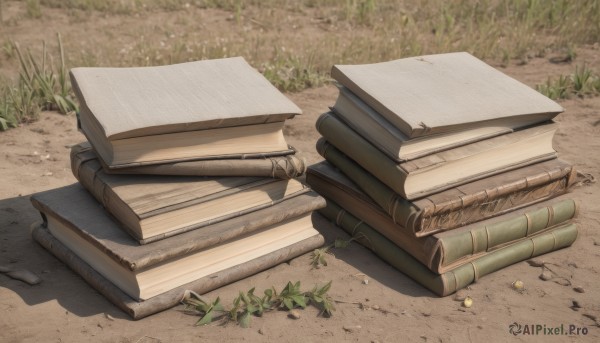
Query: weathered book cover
[[132, 199], [463, 204], [286, 166], [447, 250], [82, 217], [457, 278], [141, 309], [431, 94], [446, 169], [142, 101]]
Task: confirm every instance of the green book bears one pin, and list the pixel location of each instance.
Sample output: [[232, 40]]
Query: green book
[[459, 277], [445, 250]]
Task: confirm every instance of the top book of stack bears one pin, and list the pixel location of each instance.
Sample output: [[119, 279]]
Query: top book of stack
[[427, 97], [198, 110]]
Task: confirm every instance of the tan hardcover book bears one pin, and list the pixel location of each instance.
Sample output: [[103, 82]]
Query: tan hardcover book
[[153, 207], [446, 169], [75, 219], [445, 250], [432, 94], [461, 205], [202, 109], [395, 144]]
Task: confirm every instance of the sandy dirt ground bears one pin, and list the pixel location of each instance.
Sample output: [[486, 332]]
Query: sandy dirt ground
[[389, 308]]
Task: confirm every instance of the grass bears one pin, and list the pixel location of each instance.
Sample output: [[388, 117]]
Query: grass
[[295, 43], [584, 82], [40, 86]]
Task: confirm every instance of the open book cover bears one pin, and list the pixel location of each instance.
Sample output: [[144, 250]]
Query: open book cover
[[455, 207], [141, 101], [431, 94], [446, 169], [74, 218], [284, 166], [446, 250], [155, 207], [459, 277]]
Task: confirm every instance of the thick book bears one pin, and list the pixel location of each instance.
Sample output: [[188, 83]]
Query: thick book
[[155, 207], [282, 167], [459, 277], [446, 169], [187, 111], [432, 94], [74, 218], [393, 142], [460, 205], [446, 250]]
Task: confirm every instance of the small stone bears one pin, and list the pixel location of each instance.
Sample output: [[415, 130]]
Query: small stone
[[576, 304], [351, 328], [536, 263], [375, 307], [109, 317], [460, 295], [294, 314], [546, 275], [365, 281], [261, 331], [48, 174], [579, 289], [468, 302]]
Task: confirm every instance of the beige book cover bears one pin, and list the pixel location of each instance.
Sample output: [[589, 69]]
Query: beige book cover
[[141, 101], [153, 207], [431, 94]]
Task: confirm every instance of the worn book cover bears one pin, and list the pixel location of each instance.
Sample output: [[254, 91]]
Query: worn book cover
[[461, 276], [431, 94], [285, 166], [446, 169], [153, 207], [148, 271], [142, 101], [449, 249], [460, 205]]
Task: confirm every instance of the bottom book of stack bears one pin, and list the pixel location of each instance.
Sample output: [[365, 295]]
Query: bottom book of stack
[[447, 261], [145, 279]]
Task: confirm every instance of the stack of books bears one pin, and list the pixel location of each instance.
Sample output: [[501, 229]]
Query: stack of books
[[186, 183], [440, 165]]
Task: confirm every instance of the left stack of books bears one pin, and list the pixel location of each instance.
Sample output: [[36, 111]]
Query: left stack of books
[[186, 183]]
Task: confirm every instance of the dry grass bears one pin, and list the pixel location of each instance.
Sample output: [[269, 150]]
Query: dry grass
[[295, 43]]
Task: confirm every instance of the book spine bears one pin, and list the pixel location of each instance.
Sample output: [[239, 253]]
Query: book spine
[[361, 151], [85, 167], [402, 211], [459, 248], [460, 277], [494, 201]]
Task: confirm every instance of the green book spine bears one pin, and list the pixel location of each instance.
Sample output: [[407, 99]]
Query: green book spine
[[459, 277]]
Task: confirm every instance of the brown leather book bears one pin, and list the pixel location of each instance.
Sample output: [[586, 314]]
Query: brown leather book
[[460, 205], [445, 250], [153, 207], [92, 243]]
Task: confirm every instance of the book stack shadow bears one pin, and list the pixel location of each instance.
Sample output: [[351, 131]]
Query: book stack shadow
[[444, 167], [186, 183]]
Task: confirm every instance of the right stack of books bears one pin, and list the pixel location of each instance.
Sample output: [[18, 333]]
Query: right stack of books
[[187, 183], [444, 167]]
